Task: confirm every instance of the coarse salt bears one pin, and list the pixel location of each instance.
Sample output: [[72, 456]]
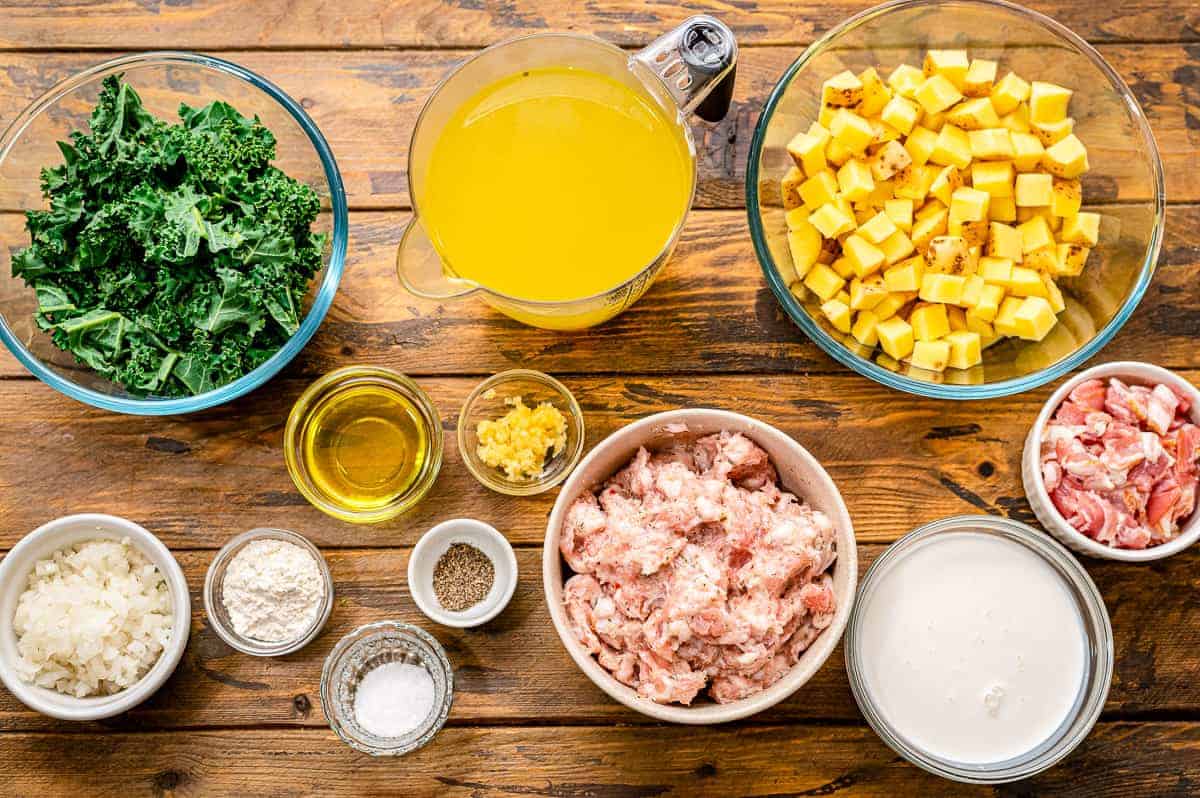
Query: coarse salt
[[393, 699]]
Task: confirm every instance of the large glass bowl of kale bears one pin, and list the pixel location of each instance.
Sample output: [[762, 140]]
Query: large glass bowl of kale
[[174, 231]]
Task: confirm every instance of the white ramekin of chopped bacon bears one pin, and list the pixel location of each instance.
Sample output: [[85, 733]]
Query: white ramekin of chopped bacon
[[1112, 464]]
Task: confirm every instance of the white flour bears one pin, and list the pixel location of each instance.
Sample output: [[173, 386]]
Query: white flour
[[272, 590]]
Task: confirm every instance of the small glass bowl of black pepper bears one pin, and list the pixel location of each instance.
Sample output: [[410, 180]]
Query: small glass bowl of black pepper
[[462, 573]]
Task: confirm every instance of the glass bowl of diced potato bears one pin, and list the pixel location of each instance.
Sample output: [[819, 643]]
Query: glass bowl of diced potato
[[955, 198]]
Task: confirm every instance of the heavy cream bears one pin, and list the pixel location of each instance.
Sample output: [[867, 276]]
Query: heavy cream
[[972, 648]]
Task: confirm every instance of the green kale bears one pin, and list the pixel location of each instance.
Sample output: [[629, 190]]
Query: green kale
[[171, 259]]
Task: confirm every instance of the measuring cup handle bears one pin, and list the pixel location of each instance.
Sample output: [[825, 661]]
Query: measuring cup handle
[[697, 63], [421, 269]]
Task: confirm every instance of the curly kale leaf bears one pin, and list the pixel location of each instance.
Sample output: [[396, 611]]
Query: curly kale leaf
[[171, 258]]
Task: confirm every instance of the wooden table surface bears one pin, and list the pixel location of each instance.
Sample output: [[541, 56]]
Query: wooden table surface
[[525, 720]]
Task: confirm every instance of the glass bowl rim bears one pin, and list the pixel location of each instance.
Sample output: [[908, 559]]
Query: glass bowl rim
[[356, 637], [1082, 588], [840, 352], [321, 302], [400, 383], [227, 633], [500, 484]]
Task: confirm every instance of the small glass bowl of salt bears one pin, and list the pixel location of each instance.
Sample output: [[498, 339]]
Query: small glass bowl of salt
[[386, 688]]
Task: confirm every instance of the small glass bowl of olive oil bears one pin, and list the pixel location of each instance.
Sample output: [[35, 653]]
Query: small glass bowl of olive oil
[[363, 444]]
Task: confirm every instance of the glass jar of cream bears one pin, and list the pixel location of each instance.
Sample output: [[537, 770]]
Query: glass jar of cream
[[979, 649]]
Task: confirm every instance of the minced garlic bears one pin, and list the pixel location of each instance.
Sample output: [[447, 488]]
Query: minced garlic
[[522, 439]]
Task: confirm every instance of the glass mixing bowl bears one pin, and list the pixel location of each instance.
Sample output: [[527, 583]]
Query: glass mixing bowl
[[1125, 182], [163, 80]]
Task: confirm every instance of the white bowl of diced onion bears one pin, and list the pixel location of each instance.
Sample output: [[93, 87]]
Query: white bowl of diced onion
[[41, 544]]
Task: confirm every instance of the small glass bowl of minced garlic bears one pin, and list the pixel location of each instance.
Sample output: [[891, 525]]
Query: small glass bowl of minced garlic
[[520, 432]]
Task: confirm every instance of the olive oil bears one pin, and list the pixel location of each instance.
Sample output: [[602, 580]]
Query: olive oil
[[364, 445]]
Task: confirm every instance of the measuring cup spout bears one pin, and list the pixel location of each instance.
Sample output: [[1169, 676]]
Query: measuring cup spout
[[421, 269], [696, 63]]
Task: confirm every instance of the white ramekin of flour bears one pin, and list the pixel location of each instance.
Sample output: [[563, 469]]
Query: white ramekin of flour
[[268, 592]]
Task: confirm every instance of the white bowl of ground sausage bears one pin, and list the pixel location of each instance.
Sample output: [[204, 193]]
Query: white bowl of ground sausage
[[1130, 372], [14, 575], [799, 473]]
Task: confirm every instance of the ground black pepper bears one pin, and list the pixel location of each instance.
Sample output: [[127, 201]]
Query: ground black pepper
[[462, 577]]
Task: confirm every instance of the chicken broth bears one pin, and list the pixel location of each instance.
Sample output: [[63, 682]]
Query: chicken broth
[[555, 184]]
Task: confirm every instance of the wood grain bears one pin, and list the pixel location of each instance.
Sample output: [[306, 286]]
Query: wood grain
[[207, 24], [1156, 625], [366, 104], [196, 480], [1158, 759], [710, 312]]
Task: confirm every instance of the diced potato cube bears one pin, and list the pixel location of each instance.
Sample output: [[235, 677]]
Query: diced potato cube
[[842, 296], [824, 282], [1067, 197], [895, 336], [1049, 133], [851, 131], [855, 181], [831, 220], [1043, 211], [969, 204], [1033, 189], [839, 315], [1010, 92], [877, 228], [905, 276], [896, 247], [1004, 242], [805, 244], [905, 80], [1026, 282], [893, 304], [981, 76], [888, 160], [1071, 259], [931, 355], [1003, 209], [843, 89], [1067, 158], [1035, 234], [875, 95], [950, 64], [866, 294], [948, 180], [965, 349], [927, 228], [974, 233], [957, 317], [790, 188], [1053, 295], [825, 115], [947, 255], [843, 267], [1048, 102], [900, 211], [901, 113], [996, 271], [920, 144], [882, 132], [974, 114], [836, 153], [953, 148], [1034, 318], [864, 329], [1082, 228], [1027, 151], [808, 151], [947, 288], [936, 94], [1044, 259], [1005, 321], [992, 144], [818, 190], [913, 182], [977, 324], [865, 256], [989, 303], [995, 177], [972, 291]]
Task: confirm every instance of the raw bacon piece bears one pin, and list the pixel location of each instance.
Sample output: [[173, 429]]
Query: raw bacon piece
[[1120, 462], [695, 571]]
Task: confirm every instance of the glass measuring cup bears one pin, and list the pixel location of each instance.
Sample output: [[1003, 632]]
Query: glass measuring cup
[[688, 70]]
